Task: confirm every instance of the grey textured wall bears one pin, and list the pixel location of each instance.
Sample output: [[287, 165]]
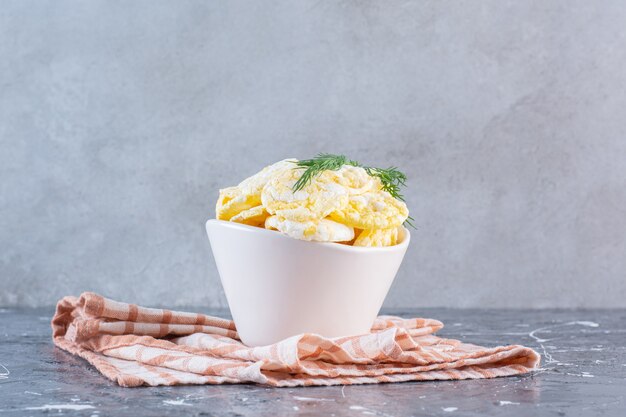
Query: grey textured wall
[[119, 121]]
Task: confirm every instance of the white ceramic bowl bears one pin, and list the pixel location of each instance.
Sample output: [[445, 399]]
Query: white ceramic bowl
[[278, 287]]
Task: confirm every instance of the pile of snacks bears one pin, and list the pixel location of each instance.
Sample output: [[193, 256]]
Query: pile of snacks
[[345, 205]]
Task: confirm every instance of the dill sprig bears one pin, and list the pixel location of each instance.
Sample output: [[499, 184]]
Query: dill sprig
[[409, 222], [315, 166], [391, 178]]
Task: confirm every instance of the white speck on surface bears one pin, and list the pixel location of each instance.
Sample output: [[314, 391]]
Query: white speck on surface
[[449, 409], [368, 411], [244, 399], [570, 323], [4, 372], [422, 396], [584, 374], [295, 407], [176, 402], [342, 393], [508, 403], [60, 407], [587, 323], [32, 393], [74, 400], [312, 399], [547, 355], [538, 339]]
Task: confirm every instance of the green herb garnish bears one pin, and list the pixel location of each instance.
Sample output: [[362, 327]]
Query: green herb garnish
[[391, 178], [314, 167]]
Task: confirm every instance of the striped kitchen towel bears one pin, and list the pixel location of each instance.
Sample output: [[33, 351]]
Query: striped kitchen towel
[[144, 346]]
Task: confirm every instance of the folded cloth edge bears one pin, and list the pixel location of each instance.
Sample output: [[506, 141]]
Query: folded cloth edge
[[79, 319]]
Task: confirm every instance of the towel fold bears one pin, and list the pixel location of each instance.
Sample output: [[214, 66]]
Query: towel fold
[[144, 346]]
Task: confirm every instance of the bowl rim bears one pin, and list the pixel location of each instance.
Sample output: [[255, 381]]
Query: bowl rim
[[404, 243]]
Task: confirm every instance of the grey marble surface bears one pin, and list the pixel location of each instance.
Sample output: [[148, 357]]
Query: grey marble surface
[[120, 120], [583, 374]]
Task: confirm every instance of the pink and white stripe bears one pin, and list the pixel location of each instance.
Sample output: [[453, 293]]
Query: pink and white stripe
[[137, 346]]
